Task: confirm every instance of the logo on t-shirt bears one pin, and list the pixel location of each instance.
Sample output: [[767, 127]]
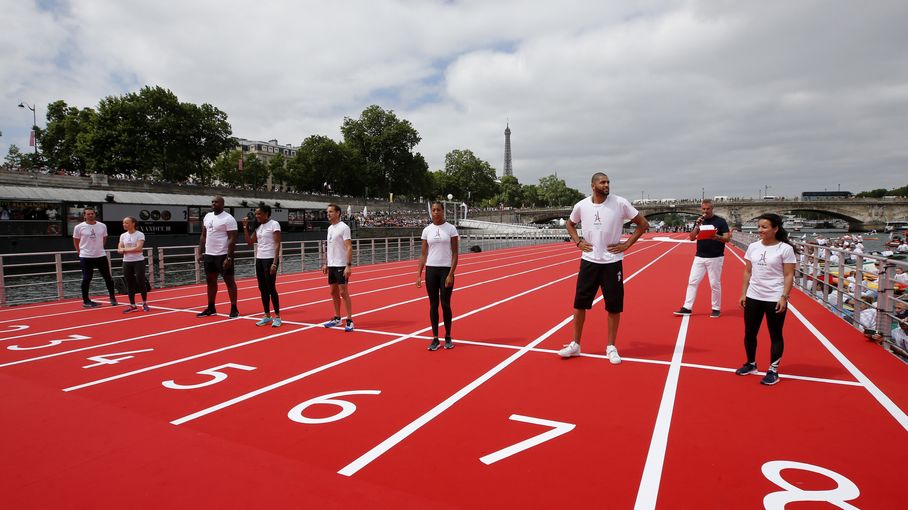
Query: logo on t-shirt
[[596, 219], [437, 233], [92, 234], [762, 260]]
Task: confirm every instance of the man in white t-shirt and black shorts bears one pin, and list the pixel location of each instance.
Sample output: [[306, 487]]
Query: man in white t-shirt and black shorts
[[216, 247], [338, 266], [601, 217], [89, 238]]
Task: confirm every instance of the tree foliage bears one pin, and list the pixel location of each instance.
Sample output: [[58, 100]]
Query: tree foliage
[[65, 143], [468, 177], [554, 192], [322, 162], [881, 192], [381, 149]]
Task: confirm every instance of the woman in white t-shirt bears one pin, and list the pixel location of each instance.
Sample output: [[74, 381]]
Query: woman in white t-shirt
[[267, 258], [439, 258], [131, 246], [768, 277]]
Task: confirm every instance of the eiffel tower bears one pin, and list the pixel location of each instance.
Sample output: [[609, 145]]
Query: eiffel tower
[[508, 169]]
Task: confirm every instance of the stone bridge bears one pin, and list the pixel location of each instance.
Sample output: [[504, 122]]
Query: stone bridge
[[861, 214]]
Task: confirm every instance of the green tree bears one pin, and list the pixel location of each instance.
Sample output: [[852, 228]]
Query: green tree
[[530, 196], [65, 141], [13, 158], [320, 161], [469, 176], [381, 146], [277, 168], [151, 134], [510, 193], [554, 192]]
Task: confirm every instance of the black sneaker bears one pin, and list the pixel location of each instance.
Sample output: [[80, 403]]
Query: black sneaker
[[234, 313], [682, 311], [207, 312], [113, 302], [747, 369], [449, 344], [434, 345], [715, 314], [771, 377], [90, 304]]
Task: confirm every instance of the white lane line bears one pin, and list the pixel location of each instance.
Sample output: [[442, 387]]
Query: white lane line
[[872, 388], [129, 317], [250, 342], [894, 410], [378, 450], [150, 335], [303, 375], [648, 491]]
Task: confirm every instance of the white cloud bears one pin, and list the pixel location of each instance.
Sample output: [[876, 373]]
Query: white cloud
[[668, 96]]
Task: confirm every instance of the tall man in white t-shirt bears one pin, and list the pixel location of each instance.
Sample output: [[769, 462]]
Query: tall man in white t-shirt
[[601, 217], [339, 266], [89, 238], [216, 247]]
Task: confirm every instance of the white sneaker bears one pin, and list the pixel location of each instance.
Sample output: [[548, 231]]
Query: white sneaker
[[612, 354], [570, 350]]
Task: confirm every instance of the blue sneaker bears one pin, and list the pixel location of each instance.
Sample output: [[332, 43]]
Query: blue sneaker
[[771, 377], [130, 309], [349, 327], [145, 307], [747, 369], [90, 304], [276, 323], [333, 322], [264, 322]]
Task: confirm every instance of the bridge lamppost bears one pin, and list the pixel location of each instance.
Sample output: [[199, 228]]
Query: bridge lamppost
[[34, 133]]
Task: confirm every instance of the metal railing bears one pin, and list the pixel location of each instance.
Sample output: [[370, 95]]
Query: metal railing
[[33, 277], [861, 289]]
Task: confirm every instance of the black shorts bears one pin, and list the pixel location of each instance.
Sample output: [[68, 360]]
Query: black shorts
[[336, 275], [215, 264], [594, 276]]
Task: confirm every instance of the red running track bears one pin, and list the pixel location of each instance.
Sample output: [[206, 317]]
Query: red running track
[[165, 410]]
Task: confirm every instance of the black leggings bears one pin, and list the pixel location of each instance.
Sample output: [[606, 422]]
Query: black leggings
[[754, 311], [435, 287], [134, 274], [267, 285], [88, 265]]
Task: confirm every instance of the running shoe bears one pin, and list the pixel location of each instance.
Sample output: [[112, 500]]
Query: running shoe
[[265, 321], [113, 302], [333, 322], [276, 323], [207, 312], [145, 307], [434, 345], [682, 311], [131, 308], [771, 377], [612, 353], [449, 344], [570, 350], [234, 313], [90, 304], [747, 369], [715, 314], [349, 327]]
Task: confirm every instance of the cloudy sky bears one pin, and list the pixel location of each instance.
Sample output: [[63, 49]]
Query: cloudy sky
[[670, 98]]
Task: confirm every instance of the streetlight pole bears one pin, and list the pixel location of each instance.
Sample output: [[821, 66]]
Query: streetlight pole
[[34, 123]]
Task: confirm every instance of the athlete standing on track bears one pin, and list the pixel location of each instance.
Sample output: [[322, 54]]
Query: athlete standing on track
[[711, 233], [131, 246], [339, 266], [768, 277], [216, 247], [267, 258], [601, 217], [440, 244], [89, 238]]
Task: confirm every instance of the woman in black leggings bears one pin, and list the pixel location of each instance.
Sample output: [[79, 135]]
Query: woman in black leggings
[[132, 246], [768, 277], [267, 258], [439, 258]]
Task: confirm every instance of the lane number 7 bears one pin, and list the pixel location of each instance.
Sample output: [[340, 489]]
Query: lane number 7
[[558, 428]]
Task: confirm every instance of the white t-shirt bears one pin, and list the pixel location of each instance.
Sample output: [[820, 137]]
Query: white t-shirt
[[91, 239], [337, 252], [131, 241], [264, 236], [216, 227], [601, 225], [900, 338], [767, 276], [439, 239]]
